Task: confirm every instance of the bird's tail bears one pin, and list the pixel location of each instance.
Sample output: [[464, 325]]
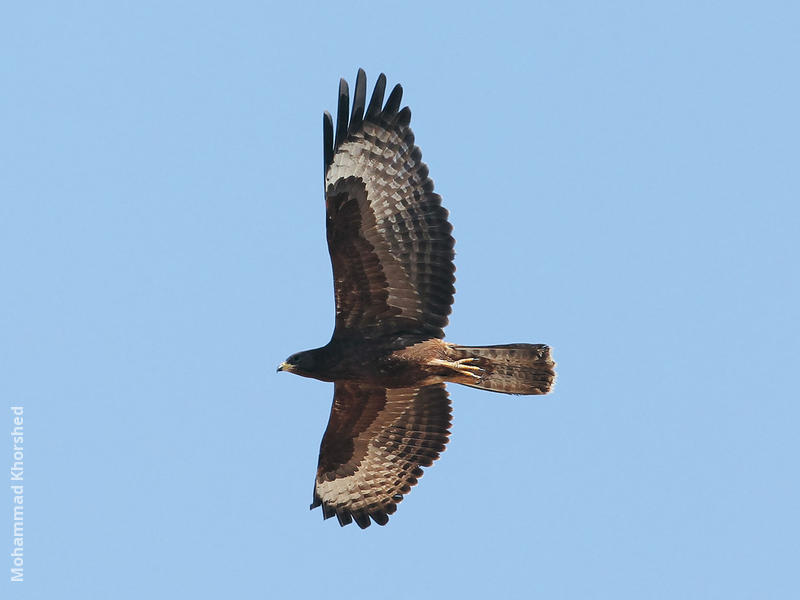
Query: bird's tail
[[512, 368]]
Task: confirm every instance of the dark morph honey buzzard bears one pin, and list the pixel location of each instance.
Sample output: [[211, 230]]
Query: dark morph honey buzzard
[[392, 253]]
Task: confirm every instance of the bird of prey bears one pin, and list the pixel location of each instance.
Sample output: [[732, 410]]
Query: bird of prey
[[392, 253]]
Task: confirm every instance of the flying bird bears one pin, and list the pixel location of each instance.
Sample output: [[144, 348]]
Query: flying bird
[[392, 254]]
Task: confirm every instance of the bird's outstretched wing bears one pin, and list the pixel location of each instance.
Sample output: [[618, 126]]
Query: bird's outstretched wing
[[376, 442], [388, 235]]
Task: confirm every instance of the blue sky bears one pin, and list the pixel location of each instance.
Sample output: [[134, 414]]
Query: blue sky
[[623, 183]]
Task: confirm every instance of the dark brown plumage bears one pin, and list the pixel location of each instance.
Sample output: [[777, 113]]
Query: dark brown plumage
[[392, 254]]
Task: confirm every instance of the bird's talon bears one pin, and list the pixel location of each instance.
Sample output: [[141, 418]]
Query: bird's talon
[[465, 367]]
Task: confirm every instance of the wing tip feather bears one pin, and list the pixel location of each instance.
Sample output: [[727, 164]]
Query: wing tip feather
[[403, 119], [327, 139], [376, 101], [393, 102], [342, 110], [359, 98]]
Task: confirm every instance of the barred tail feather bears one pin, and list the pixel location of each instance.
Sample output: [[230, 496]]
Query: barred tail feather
[[512, 368]]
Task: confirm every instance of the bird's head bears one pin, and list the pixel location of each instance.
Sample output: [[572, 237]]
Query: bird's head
[[301, 363]]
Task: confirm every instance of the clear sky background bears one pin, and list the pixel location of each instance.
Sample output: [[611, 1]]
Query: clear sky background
[[623, 183]]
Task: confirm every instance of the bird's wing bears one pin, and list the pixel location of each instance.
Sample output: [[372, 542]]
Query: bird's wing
[[376, 442], [388, 235]]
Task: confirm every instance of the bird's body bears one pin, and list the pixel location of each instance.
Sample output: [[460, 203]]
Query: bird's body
[[392, 254], [408, 361], [392, 362]]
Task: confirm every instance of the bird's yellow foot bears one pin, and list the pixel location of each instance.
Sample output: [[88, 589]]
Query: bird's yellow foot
[[462, 366]]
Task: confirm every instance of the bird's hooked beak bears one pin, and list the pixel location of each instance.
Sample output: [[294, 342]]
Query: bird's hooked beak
[[284, 366]]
